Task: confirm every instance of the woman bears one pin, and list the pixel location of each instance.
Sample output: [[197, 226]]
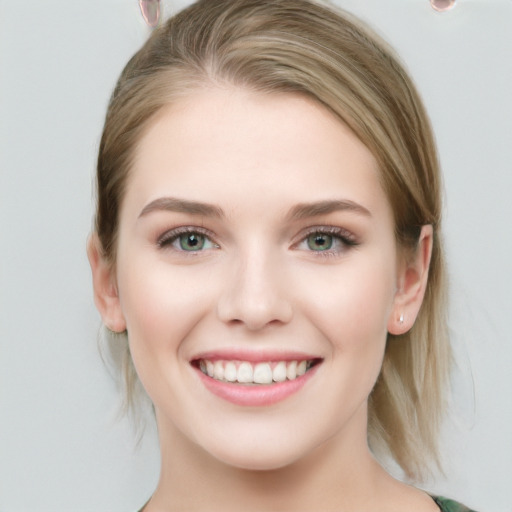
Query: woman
[[268, 238]]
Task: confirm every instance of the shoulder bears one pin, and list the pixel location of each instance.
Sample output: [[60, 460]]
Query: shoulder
[[447, 505]]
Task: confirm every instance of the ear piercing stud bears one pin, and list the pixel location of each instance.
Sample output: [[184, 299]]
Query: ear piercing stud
[[401, 319]]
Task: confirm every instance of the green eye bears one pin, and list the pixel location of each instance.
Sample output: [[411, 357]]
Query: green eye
[[320, 242], [191, 241], [186, 240]]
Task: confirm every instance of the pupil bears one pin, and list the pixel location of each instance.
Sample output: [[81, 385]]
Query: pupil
[[191, 242]]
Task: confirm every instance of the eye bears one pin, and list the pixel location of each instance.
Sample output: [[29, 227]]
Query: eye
[[187, 239], [327, 241]]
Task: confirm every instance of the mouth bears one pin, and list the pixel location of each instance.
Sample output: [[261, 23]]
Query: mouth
[[254, 373]]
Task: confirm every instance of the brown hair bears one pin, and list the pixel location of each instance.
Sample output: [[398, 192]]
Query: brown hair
[[306, 47]]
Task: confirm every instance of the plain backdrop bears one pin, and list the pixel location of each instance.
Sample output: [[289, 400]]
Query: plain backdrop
[[61, 448]]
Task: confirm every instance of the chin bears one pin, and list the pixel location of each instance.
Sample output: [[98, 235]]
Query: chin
[[258, 458], [270, 463]]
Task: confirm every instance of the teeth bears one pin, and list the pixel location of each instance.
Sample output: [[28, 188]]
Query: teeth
[[218, 370], [279, 373], [291, 370], [301, 368], [261, 373], [230, 373], [245, 373]]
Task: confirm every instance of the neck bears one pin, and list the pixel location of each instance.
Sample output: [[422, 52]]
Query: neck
[[339, 474]]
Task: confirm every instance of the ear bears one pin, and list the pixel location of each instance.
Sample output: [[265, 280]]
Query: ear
[[412, 282], [106, 296]]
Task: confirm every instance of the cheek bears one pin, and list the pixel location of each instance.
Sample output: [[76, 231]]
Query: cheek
[[351, 304], [161, 305], [162, 308]]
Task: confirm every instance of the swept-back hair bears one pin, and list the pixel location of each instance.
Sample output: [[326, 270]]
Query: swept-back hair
[[307, 47]]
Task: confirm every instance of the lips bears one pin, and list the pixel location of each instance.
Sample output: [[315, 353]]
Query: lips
[[254, 380]]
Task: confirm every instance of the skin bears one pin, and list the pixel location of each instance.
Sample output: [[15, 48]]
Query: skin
[[258, 285]]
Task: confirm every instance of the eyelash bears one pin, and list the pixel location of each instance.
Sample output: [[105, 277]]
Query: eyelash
[[342, 237]]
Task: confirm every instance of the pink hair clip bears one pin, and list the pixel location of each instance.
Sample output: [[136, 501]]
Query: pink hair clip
[[442, 5], [150, 10]]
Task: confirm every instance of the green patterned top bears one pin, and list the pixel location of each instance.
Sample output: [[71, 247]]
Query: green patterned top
[[444, 504], [447, 505]]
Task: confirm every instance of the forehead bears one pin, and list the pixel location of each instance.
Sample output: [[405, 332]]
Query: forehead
[[223, 141]]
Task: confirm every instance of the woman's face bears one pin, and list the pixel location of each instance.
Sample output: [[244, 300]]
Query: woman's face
[[256, 243]]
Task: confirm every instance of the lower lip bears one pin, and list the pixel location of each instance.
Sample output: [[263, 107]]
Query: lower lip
[[258, 395]]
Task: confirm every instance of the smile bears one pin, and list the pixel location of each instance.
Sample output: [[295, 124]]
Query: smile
[[254, 383], [263, 373]]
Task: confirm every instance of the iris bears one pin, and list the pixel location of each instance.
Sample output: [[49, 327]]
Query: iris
[[320, 242]]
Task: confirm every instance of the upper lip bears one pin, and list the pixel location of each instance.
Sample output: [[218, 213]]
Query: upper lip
[[254, 356]]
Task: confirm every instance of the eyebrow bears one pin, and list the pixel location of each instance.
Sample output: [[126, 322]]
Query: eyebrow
[[305, 210], [172, 204], [298, 212]]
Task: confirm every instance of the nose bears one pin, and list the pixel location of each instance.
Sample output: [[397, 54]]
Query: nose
[[255, 294]]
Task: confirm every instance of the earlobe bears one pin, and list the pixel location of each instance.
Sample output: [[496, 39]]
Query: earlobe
[[106, 296], [411, 286]]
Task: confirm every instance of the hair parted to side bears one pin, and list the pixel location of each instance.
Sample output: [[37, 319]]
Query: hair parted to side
[[307, 47]]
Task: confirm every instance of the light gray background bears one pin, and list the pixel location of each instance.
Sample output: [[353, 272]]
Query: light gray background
[[60, 446]]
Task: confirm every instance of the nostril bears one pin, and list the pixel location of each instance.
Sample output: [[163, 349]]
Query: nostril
[[254, 314]]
